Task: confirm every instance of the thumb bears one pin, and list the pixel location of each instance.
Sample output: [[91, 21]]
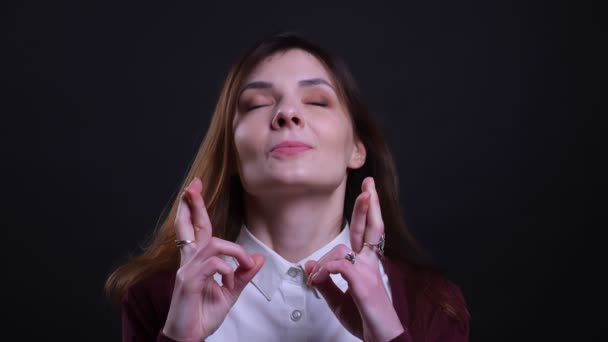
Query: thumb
[[242, 276], [309, 265]]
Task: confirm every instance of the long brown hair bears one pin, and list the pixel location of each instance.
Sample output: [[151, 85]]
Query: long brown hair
[[214, 164]]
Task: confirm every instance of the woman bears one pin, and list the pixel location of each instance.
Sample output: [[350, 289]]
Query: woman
[[279, 230]]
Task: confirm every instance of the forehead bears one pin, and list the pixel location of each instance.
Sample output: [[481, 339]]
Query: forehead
[[294, 64]]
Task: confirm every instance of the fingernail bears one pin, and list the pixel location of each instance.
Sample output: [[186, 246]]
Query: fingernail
[[312, 279], [309, 279]]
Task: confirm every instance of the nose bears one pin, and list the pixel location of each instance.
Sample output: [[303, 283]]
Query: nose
[[289, 119]]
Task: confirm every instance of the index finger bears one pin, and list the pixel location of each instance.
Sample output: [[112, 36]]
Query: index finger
[[375, 223], [358, 221], [183, 224], [200, 217], [360, 216]]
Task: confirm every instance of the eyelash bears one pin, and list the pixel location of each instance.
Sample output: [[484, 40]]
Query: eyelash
[[319, 104], [254, 107]]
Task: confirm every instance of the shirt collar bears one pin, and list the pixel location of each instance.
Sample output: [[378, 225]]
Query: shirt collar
[[275, 268]]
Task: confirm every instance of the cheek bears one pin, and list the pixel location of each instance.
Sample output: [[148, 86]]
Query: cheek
[[247, 140], [242, 139], [337, 136]]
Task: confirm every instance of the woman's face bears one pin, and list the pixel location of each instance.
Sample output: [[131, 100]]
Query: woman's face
[[290, 98]]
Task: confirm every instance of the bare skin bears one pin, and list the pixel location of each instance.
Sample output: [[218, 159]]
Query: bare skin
[[294, 204]]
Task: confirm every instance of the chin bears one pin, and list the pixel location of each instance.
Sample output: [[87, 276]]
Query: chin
[[291, 184], [292, 177], [288, 183]]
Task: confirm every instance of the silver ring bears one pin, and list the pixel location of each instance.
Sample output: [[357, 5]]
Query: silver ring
[[351, 257], [379, 247], [182, 243]]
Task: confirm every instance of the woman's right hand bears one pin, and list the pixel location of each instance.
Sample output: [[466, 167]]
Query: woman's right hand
[[199, 304]]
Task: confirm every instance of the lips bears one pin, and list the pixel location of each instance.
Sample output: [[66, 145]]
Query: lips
[[291, 145]]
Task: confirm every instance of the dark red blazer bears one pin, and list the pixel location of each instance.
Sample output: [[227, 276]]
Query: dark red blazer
[[146, 304]]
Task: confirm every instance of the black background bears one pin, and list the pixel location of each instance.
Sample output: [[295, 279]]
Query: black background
[[108, 102]]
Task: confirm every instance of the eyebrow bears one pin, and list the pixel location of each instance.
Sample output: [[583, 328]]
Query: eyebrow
[[302, 83]]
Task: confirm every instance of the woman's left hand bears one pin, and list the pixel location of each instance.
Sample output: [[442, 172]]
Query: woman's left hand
[[365, 309]]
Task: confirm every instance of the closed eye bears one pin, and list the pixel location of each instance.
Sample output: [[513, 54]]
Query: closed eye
[[320, 104], [255, 107]]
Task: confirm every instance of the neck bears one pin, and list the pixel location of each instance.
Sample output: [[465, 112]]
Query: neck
[[296, 226]]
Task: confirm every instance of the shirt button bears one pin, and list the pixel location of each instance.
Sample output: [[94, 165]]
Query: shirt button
[[296, 315], [293, 272]]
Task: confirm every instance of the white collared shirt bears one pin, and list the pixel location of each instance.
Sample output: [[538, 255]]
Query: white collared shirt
[[277, 305]]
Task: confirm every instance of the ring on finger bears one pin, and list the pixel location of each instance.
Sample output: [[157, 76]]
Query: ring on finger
[[351, 257], [378, 247], [182, 243]]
